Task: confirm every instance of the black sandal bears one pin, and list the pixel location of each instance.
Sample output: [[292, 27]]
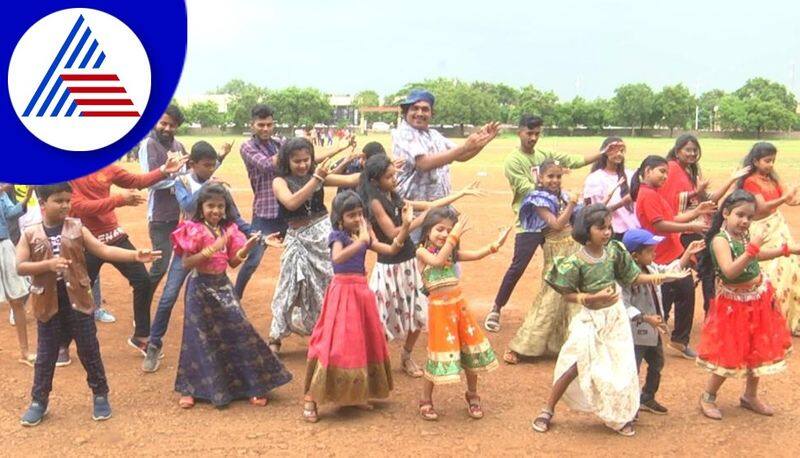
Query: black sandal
[[541, 424]]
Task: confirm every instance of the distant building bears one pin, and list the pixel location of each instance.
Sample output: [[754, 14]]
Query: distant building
[[344, 111]]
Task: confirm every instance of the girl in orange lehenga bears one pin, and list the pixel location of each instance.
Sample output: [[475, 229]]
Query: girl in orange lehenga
[[455, 341]]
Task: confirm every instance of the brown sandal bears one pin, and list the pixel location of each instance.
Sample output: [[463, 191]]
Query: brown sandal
[[410, 368], [511, 357], [627, 430], [427, 412], [259, 401], [541, 424], [473, 405], [310, 411]]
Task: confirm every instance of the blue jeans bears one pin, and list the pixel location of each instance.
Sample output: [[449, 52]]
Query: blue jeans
[[266, 226], [175, 277], [160, 232]]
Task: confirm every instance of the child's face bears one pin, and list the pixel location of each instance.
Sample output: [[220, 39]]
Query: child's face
[[551, 178], [765, 165], [644, 256], [600, 234], [388, 181], [656, 176], [300, 162], [439, 232], [214, 210], [204, 168], [738, 218], [352, 220], [56, 207]]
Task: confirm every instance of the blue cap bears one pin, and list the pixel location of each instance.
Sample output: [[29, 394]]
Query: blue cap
[[418, 95], [634, 239]]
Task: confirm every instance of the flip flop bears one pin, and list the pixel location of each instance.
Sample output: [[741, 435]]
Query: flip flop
[[541, 424], [492, 322], [426, 411], [510, 357]]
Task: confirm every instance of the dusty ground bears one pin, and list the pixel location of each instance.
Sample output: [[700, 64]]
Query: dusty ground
[[147, 420]]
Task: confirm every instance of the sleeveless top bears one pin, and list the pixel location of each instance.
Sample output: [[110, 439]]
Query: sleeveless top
[[438, 277], [312, 208], [407, 252], [737, 249]]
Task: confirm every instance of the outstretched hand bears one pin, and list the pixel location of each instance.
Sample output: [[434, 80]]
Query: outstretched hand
[[147, 256]]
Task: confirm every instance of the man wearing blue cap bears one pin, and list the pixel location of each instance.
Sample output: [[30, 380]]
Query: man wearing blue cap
[[643, 303], [427, 153]]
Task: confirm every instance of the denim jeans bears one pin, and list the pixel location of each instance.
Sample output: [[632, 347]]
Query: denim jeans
[[160, 232], [175, 277], [266, 226]]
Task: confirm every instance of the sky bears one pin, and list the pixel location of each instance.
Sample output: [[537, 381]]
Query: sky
[[572, 47]]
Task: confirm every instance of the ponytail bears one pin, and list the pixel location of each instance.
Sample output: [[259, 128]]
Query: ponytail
[[649, 162]]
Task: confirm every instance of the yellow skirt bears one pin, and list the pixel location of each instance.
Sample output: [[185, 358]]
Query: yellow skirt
[[545, 328], [783, 272]]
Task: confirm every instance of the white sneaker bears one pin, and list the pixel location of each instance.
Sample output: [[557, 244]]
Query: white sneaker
[[104, 316]]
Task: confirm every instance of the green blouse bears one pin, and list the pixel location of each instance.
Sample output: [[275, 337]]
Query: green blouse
[[737, 248], [579, 273], [437, 277]]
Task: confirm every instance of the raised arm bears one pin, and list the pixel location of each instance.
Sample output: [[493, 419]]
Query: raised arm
[[474, 255], [293, 201], [440, 258], [399, 239], [471, 190], [116, 254]]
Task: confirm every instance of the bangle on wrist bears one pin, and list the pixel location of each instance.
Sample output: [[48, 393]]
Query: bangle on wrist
[[452, 239], [785, 250], [321, 180], [239, 255], [493, 248], [752, 250]]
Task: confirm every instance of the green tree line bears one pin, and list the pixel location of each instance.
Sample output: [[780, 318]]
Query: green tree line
[[759, 105]]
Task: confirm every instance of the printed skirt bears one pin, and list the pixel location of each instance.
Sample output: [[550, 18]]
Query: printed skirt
[[12, 286], [544, 330], [348, 360], [783, 272], [402, 305], [455, 341], [222, 356], [305, 273], [601, 344], [744, 333]]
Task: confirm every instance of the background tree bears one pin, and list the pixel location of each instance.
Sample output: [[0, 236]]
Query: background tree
[[243, 96], [300, 106], [633, 105], [535, 102], [757, 106], [707, 101], [206, 114], [676, 107]]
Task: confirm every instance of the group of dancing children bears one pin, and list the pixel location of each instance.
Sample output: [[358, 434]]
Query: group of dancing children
[[600, 308]]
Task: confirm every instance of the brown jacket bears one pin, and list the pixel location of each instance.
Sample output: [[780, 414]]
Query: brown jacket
[[44, 295]]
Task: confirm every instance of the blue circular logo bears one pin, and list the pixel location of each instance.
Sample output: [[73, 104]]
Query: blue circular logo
[[85, 84]]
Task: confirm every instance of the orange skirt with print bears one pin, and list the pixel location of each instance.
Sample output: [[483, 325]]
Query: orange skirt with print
[[455, 341]]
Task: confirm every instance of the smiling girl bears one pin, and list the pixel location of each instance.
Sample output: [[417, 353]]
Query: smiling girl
[[610, 181], [305, 263], [770, 194], [222, 356], [548, 209]]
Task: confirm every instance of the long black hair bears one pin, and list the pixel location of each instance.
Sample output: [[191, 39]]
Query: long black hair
[[374, 168], [344, 202], [209, 191], [546, 165], [680, 142], [602, 163], [590, 215], [432, 218], [734, 199], [649, 162], [759, 151], [288, 149]]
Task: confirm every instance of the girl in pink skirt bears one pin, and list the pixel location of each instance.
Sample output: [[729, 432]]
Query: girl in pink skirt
[[348, 361]]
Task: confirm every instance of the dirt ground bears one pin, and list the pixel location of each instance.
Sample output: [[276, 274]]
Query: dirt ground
[[148, 421]]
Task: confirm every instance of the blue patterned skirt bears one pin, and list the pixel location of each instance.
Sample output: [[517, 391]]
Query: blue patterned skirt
[[222, 356]]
